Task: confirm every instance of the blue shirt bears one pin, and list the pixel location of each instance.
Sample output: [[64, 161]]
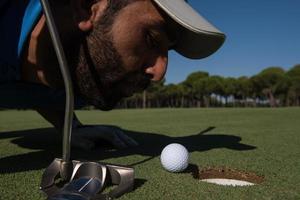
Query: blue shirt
[[17, 19]]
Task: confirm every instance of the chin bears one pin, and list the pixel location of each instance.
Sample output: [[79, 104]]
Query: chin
[[107, 104], [109, 101]]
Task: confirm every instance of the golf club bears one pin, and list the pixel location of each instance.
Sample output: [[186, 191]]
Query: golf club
[[83, 180]]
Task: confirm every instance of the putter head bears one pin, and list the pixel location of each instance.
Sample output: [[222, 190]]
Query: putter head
[[87, 181]]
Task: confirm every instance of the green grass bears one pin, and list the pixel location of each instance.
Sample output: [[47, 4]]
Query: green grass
[[264, 141]]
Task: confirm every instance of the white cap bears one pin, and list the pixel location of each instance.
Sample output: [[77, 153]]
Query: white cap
[[196, 37]]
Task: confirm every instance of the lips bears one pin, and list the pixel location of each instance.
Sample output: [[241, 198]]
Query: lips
[[138, 84], [130, 91]]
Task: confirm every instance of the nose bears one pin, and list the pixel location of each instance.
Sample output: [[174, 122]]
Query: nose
[[158, 68]]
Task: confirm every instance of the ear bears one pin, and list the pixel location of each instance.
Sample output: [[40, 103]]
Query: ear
[[87, 12]]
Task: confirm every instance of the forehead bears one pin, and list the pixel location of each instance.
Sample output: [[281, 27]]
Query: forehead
[[142, 11], [145, 13]]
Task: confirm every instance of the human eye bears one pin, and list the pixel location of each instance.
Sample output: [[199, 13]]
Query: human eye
[[153, 39]]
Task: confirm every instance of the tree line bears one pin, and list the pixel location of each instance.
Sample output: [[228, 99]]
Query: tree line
[[272, 87]]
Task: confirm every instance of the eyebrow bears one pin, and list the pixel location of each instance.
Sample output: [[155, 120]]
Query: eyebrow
[[162, 27], [158, 26]]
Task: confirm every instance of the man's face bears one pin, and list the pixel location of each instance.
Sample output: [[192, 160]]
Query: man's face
[[125, 52]]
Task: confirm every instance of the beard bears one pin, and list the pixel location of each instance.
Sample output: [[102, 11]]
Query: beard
[[100, 74]]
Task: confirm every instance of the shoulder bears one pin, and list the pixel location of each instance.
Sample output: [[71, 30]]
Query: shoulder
[[18, 18]]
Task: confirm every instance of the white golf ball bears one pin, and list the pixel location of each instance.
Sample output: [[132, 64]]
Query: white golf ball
[[174, 158]]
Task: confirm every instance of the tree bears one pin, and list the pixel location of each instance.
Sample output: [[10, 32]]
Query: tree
[[294, 89], [268, 81], [195, 76], [173, 95], [200, 91], [229, 88], [214, 86], [184, 94], [243, 89], [192, 86], [154, 94]]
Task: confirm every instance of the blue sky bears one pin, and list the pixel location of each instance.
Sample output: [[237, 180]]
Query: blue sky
[[260, 34]]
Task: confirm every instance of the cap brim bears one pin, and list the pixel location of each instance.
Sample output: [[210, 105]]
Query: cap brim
[[197, 37]]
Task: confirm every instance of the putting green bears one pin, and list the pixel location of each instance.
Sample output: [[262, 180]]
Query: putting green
[[259, 140]]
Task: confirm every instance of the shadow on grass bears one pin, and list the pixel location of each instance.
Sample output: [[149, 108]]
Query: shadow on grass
[[43, 145]]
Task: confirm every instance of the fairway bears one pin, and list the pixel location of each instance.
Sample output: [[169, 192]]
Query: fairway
[[263, 141]]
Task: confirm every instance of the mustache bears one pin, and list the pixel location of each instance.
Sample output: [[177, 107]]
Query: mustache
[[138, 80]]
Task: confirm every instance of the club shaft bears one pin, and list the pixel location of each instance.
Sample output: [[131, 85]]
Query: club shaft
[[69, 107]]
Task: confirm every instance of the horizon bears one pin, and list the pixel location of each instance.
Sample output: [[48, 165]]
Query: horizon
[[259, 34]]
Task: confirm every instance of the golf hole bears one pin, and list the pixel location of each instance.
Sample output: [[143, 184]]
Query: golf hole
[[227, 177]]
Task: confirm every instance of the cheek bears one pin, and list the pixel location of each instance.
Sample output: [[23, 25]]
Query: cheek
[[130, 44]]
